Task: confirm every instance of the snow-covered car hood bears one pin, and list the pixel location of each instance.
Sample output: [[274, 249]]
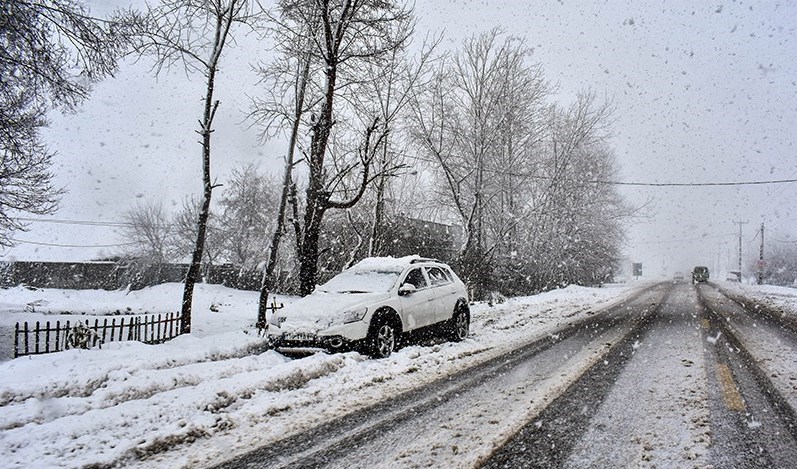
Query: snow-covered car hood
[[322, 310]]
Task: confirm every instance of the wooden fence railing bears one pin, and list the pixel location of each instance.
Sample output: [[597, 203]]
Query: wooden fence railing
[[48, 338]]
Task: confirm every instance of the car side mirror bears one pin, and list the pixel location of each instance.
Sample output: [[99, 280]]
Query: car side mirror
[[407, 289]]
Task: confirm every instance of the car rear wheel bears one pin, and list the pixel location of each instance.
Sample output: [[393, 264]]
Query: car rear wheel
[[459, 326], [383, 340]]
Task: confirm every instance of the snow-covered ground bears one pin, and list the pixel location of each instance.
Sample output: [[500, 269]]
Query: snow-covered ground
[[779, 298], [201, 398], [207, 391]]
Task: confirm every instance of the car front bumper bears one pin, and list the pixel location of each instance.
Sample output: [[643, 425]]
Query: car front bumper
[[333, 343]]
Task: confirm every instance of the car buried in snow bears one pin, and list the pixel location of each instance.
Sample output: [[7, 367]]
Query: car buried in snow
[[373, 305]]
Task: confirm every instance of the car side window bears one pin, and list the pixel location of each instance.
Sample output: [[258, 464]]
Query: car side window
[[415, 277], [438, 276]]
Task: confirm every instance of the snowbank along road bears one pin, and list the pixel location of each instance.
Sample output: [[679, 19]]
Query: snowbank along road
[[676, 376]]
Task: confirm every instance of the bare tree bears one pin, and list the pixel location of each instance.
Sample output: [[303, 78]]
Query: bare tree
[[578, 219], [478, 121], [521, 175], [288, 79], [150, 242], [195, 33], [26, 184], [248, 209], [185, 233], [44, 44], [333, 41], [148, 232], [781, 261], [352, 32], [387, 93]]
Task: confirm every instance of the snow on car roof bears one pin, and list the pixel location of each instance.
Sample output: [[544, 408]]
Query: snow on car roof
[[385, 264]]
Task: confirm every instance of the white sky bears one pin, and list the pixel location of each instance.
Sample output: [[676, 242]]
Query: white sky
[[703, 93]]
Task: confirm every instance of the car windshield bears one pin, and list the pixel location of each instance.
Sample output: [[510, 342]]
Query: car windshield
[[361, 281]]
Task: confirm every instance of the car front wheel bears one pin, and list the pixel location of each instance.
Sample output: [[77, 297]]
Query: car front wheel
[[383, 341]]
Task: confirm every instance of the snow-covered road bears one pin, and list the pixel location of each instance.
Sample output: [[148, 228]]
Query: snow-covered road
[[683, 391]]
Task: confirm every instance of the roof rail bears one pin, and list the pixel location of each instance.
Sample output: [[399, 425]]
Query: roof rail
[[424, 259]]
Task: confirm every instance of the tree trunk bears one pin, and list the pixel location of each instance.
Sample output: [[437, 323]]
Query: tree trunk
[[308, 259], [222, 29], [194, 270], [317, 197], [375, 243], [268, 276]]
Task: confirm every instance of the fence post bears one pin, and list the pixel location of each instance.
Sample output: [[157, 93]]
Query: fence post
[[96, 336], [36, 340], [47, 337], [57, 336]]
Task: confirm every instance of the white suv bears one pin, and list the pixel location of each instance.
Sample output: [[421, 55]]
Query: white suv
[[371, 305]]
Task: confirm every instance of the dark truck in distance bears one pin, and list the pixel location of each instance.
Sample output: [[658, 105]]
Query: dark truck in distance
[[700, 274]]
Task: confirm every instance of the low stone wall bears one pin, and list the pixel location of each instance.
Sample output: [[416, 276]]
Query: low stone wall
[[116, 275], [72, 275]]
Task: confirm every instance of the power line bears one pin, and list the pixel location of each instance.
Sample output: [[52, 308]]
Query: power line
[[72, 245], [694, 184], [77, 222], [624, 183], [684, 240]]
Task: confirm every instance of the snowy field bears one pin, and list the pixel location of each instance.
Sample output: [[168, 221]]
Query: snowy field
[[201, 398]]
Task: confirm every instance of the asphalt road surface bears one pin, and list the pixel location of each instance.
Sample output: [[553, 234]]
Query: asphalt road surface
[[676, 376]]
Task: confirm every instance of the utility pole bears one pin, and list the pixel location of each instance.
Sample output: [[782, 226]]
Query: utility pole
[[761, 257], [740, 246]]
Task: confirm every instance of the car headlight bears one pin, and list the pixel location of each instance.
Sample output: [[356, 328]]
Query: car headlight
[[353, 315]]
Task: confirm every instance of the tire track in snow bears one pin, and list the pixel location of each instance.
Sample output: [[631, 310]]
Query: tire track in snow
[[753, 423], [549, 438]]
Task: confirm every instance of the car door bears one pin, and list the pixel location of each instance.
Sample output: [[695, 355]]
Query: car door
[[446, 293], [417, 307]]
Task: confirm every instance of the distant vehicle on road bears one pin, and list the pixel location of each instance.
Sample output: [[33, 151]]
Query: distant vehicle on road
[[370, 306], [700, 274], [678, 277]]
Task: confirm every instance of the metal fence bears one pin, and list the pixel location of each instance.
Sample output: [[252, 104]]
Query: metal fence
[[46, 337]]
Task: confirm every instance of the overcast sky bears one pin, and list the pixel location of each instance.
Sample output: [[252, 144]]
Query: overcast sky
[[703, 93]]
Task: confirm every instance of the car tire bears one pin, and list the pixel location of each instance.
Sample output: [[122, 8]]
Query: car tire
[[383, 338], [459, 325]]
